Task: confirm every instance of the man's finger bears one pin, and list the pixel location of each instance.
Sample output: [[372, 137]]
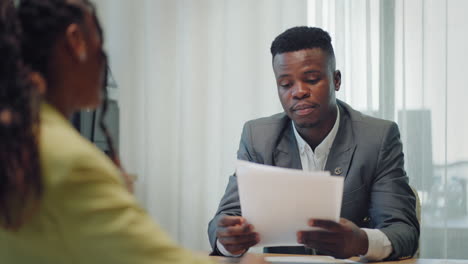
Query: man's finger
[[235, 240], [237, 230], [319, 245], [326, 224], [231, 220], [320, 236], [240, 248]]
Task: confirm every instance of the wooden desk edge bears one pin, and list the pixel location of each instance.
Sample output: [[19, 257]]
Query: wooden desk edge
[[406, 261]]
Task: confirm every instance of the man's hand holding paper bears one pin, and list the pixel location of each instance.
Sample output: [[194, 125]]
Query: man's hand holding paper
[[236, 235], [342, 240]]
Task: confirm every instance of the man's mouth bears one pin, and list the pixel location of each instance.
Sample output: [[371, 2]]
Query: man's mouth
[[304, 109]]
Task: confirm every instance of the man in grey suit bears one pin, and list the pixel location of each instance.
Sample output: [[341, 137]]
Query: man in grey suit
[[318, 132]]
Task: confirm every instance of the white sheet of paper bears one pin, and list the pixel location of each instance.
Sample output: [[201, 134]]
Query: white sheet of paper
[[278, 202]]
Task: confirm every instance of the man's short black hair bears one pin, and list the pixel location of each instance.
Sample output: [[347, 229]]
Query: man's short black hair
[[300, 38]]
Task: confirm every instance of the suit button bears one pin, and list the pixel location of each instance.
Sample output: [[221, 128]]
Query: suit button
[[338, 171]]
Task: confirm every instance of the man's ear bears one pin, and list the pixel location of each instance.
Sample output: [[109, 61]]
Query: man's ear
[[75, 40], [337, 79]]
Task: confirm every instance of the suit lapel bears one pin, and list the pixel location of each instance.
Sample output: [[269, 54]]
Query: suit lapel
[[341, 154], [342, 150], [286, 154]]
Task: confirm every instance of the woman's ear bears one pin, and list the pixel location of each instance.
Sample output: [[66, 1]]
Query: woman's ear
[[75, 41]]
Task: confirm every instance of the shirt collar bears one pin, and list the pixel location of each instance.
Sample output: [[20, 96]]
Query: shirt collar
[[326, 144]]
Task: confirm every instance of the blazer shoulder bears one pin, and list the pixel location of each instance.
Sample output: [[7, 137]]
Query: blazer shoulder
[[260, 137], [266, 130], [271, 123], [374, 122], [368, 130], [62, 149], [364, 122]]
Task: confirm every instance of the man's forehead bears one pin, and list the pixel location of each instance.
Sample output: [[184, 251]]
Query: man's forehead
[[306, 56]]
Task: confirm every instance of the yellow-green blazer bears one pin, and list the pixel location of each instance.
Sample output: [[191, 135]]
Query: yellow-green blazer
[[86, 215]]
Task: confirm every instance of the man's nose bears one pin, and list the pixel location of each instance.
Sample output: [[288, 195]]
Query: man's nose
[[300, 91]]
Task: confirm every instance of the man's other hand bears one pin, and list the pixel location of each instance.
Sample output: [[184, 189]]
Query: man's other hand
[[340, 240], [235, 234]]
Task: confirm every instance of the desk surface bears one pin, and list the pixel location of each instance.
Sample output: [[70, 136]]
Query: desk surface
[[224, 260]]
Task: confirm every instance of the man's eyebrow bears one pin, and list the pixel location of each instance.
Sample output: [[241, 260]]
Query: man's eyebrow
[[312, 71], [283, 75]]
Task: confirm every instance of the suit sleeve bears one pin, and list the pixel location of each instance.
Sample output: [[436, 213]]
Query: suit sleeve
[[101, 222], [230, 204], [392, 208]]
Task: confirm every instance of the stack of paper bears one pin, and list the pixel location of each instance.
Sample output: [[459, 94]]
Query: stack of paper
[[278, 202]]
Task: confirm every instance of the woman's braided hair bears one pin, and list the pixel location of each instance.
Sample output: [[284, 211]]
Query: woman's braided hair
[[41, 22], [20, 174]]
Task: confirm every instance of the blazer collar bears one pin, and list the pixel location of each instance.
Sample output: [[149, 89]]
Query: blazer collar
[[339, 159], [342, 150], [286, 154]]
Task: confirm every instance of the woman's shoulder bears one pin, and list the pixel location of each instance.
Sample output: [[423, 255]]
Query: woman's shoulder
[[63, 150]]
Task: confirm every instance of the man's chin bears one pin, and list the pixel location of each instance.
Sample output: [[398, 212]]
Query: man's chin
[[306, 124]]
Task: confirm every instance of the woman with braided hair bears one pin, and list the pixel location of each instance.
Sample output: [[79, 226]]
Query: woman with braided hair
[[61, 199]]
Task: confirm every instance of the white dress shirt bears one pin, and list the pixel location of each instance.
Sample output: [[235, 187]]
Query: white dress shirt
[[379, 245]]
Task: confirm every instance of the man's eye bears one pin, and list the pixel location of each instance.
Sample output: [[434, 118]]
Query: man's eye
[[285, 85], [314, 81]]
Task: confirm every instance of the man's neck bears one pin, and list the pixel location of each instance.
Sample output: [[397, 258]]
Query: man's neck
[[315, 135]]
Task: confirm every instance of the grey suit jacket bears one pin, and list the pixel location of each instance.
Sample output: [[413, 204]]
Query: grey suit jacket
[[367, 151]]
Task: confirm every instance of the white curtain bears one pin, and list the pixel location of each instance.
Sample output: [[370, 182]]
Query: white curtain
[[406, 61], [189, 74]]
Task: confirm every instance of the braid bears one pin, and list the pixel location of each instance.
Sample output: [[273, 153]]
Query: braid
[[20, 179], [102, 125], [112, 152], [43, 21]]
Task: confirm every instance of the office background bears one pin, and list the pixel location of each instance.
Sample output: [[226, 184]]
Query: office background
[[189, 73]]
